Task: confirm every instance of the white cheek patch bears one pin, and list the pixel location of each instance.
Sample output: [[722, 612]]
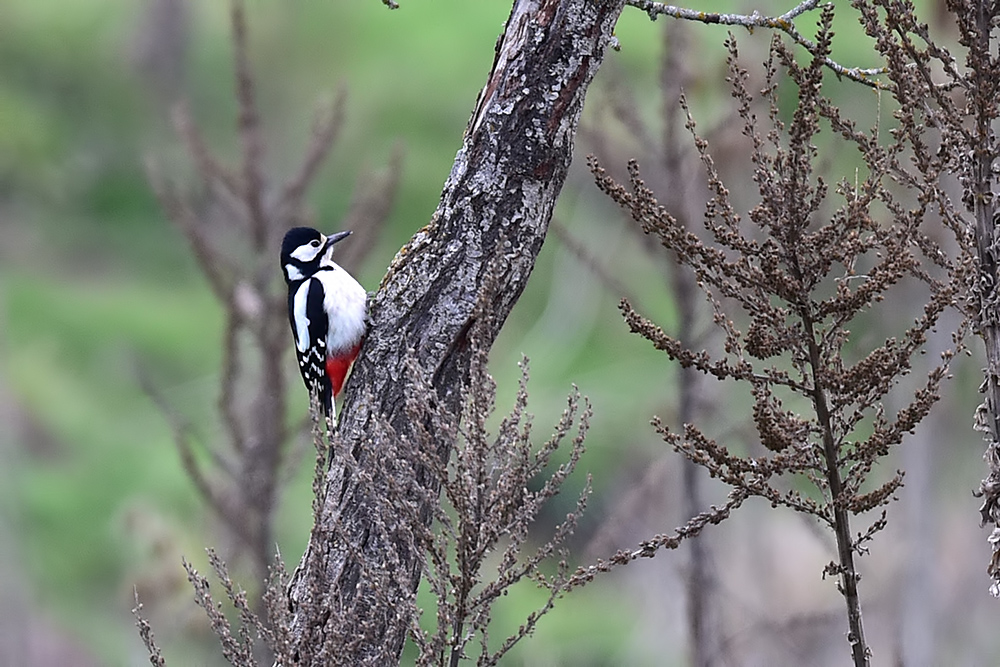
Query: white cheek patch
[[292, 272], [306, 253]]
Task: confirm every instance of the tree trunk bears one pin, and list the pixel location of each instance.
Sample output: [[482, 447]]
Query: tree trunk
[[493, 215], [983, 159]]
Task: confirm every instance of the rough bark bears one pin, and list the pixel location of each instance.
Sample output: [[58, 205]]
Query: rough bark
[[493, 216], [983, 159]]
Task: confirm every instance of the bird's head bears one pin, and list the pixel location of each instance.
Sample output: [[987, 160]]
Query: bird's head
[[304, 250]]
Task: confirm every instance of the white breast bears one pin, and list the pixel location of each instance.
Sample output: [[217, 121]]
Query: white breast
[[344, 302]]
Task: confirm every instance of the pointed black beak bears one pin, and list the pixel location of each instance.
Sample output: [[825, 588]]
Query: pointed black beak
[[334, 238]]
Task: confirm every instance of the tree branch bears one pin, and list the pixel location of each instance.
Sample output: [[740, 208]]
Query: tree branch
[[784, 23], [250, 132], [493, 215]]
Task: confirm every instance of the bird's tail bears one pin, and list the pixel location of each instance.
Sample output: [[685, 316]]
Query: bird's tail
[[327, 406], [330, 409]]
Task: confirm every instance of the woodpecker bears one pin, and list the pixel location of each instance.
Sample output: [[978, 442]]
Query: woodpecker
[[326, 308]]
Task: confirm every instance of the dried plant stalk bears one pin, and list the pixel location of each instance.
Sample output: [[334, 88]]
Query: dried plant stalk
[[785, 284], [488, 509]]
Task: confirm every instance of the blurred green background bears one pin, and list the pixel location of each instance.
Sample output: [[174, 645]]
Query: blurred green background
[[96, 284]]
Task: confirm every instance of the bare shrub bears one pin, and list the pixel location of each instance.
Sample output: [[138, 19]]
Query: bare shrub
[[785, 282]]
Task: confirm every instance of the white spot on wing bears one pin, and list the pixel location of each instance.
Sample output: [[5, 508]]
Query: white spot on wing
[[300, 317]]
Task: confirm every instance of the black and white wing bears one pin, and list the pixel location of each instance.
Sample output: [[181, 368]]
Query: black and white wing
[[310, 323]]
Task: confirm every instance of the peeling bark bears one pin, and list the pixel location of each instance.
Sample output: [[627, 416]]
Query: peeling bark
[[493, 216]]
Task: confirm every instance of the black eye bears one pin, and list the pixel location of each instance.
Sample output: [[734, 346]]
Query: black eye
[[314, 244]]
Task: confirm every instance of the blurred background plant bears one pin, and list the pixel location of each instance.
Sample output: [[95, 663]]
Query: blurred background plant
[[232, 226], [95, 283]]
